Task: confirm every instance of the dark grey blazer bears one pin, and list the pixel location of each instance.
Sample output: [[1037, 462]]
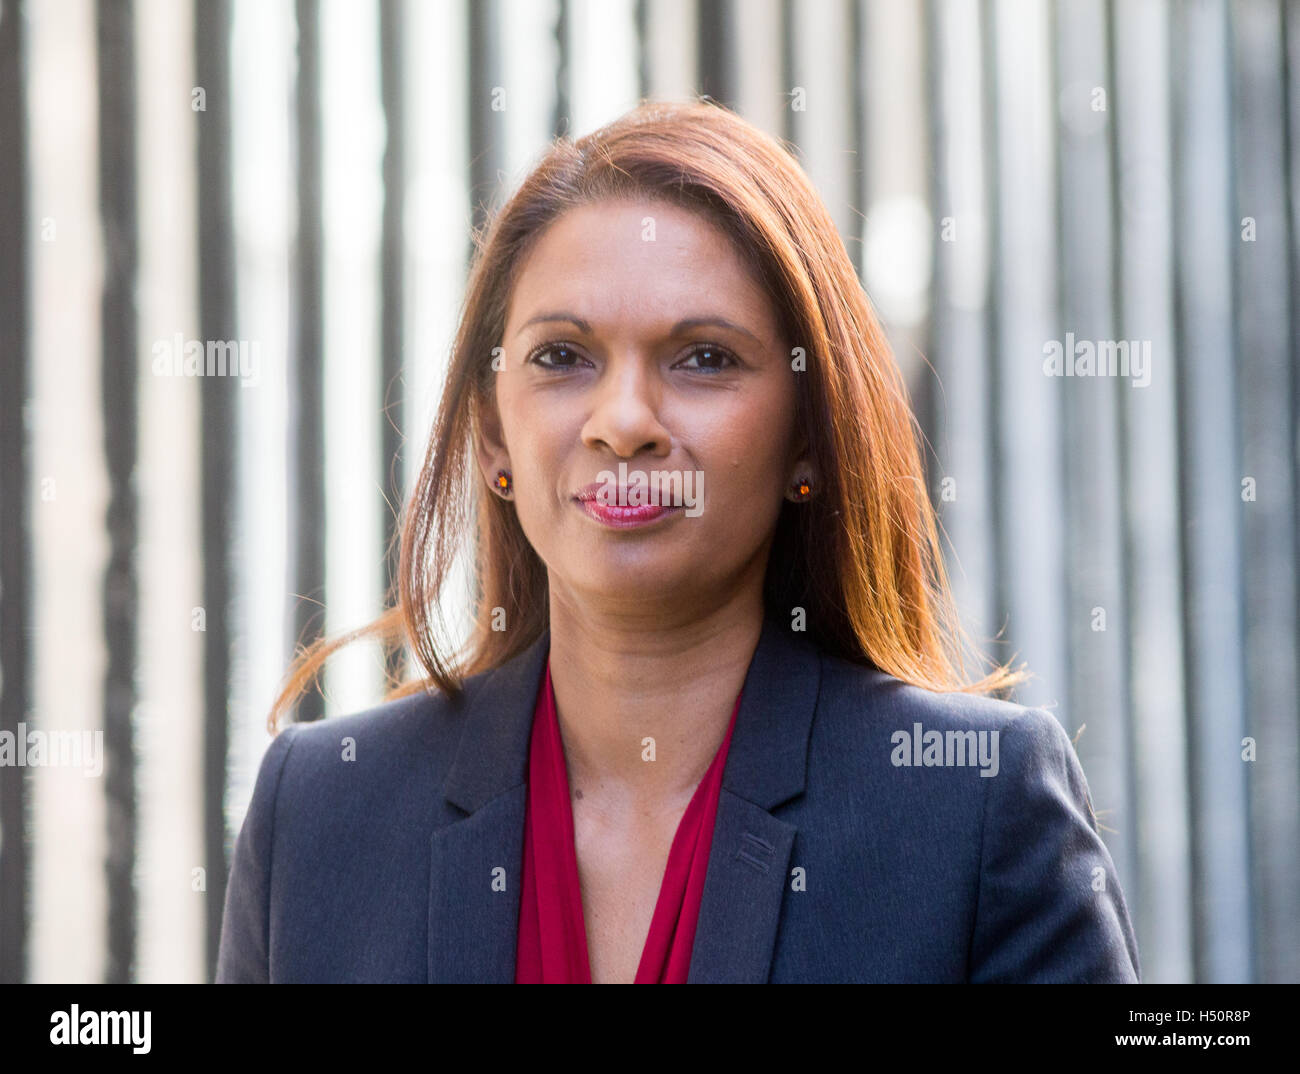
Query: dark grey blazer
[[832, 859]]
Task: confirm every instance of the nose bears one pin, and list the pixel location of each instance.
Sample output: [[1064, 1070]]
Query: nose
[[625, 411]]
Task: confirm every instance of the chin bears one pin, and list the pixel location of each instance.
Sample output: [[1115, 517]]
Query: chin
[[643, 575]]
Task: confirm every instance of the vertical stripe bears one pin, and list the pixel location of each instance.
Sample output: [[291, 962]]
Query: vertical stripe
[[169, 716], [437, 67], [529, 54], [70, 546], [116, 57], [958, 420], [822, 107], [218, 417], [1095, 622], [602, 76], [670, 48], [1211, 487], [860, 120], [1289, 801], [715, 74], [392, 30], [890, 236], [486, 148], [1160, 895], [760, 91], [352, 146], [641, 17], [307, 391], [15, 551], [264, 213], [1268, 460], [1029, 482], [562, 115], [788, 64]]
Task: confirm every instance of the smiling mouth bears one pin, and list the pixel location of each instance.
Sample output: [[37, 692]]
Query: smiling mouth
[[617, 517]]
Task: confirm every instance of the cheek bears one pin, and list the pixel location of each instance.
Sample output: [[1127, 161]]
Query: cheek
[[538, 441], [750, 452], [527, 429]]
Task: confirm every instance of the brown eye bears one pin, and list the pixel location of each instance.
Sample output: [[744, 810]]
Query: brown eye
[[563, 356], [710, 358]]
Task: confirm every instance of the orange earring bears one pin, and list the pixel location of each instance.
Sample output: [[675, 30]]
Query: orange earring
[[504, 482], [803, 488]]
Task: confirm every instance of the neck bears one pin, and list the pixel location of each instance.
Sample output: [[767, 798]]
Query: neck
[[620, 680]]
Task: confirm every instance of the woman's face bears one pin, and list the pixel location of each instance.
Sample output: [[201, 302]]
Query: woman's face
[[635, 335]]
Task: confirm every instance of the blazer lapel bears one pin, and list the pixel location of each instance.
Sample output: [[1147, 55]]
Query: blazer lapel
[[476, 862], [749, 860]]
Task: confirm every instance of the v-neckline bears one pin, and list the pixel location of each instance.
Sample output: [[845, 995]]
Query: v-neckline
[[683, 868]]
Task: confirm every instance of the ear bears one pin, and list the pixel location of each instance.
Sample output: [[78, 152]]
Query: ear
[[489, 446], [801, 469]]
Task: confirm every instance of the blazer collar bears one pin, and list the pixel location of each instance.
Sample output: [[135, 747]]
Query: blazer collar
[[475, 862], [767, 761]]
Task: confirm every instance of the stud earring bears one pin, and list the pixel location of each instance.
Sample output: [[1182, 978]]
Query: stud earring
[[504, 482], [802, 489]]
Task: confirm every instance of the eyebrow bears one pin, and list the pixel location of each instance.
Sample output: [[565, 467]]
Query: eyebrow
[[709, 321]]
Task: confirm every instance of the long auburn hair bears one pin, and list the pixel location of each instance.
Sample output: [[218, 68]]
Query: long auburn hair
[[862, 557]]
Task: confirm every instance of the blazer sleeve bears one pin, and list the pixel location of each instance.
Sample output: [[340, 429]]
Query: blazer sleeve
[[243, 954], [1049, 908]]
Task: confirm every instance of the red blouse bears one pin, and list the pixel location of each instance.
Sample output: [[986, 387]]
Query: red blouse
[[552, 941]]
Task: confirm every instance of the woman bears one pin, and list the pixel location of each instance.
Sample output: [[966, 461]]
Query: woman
[[713, 724]]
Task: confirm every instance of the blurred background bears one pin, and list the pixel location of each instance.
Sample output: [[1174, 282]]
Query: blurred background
[[289, 189]]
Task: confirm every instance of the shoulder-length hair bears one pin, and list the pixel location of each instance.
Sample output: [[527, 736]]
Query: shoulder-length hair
[[861, 558]]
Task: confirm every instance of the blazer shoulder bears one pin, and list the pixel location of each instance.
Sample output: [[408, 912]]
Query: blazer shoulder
[[423, 720], [409, 742], [328, 794], [1026, 745], [885, 723], [1046, 898], [855, 691]]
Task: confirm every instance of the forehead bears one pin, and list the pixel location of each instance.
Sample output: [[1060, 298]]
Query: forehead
[[627, 259]]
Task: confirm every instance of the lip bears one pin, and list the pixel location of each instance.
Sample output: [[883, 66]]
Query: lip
[[619, 493], [588, 493], [623, 518]]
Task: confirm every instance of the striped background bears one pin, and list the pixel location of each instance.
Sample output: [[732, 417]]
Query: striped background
[[1003, 172]]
